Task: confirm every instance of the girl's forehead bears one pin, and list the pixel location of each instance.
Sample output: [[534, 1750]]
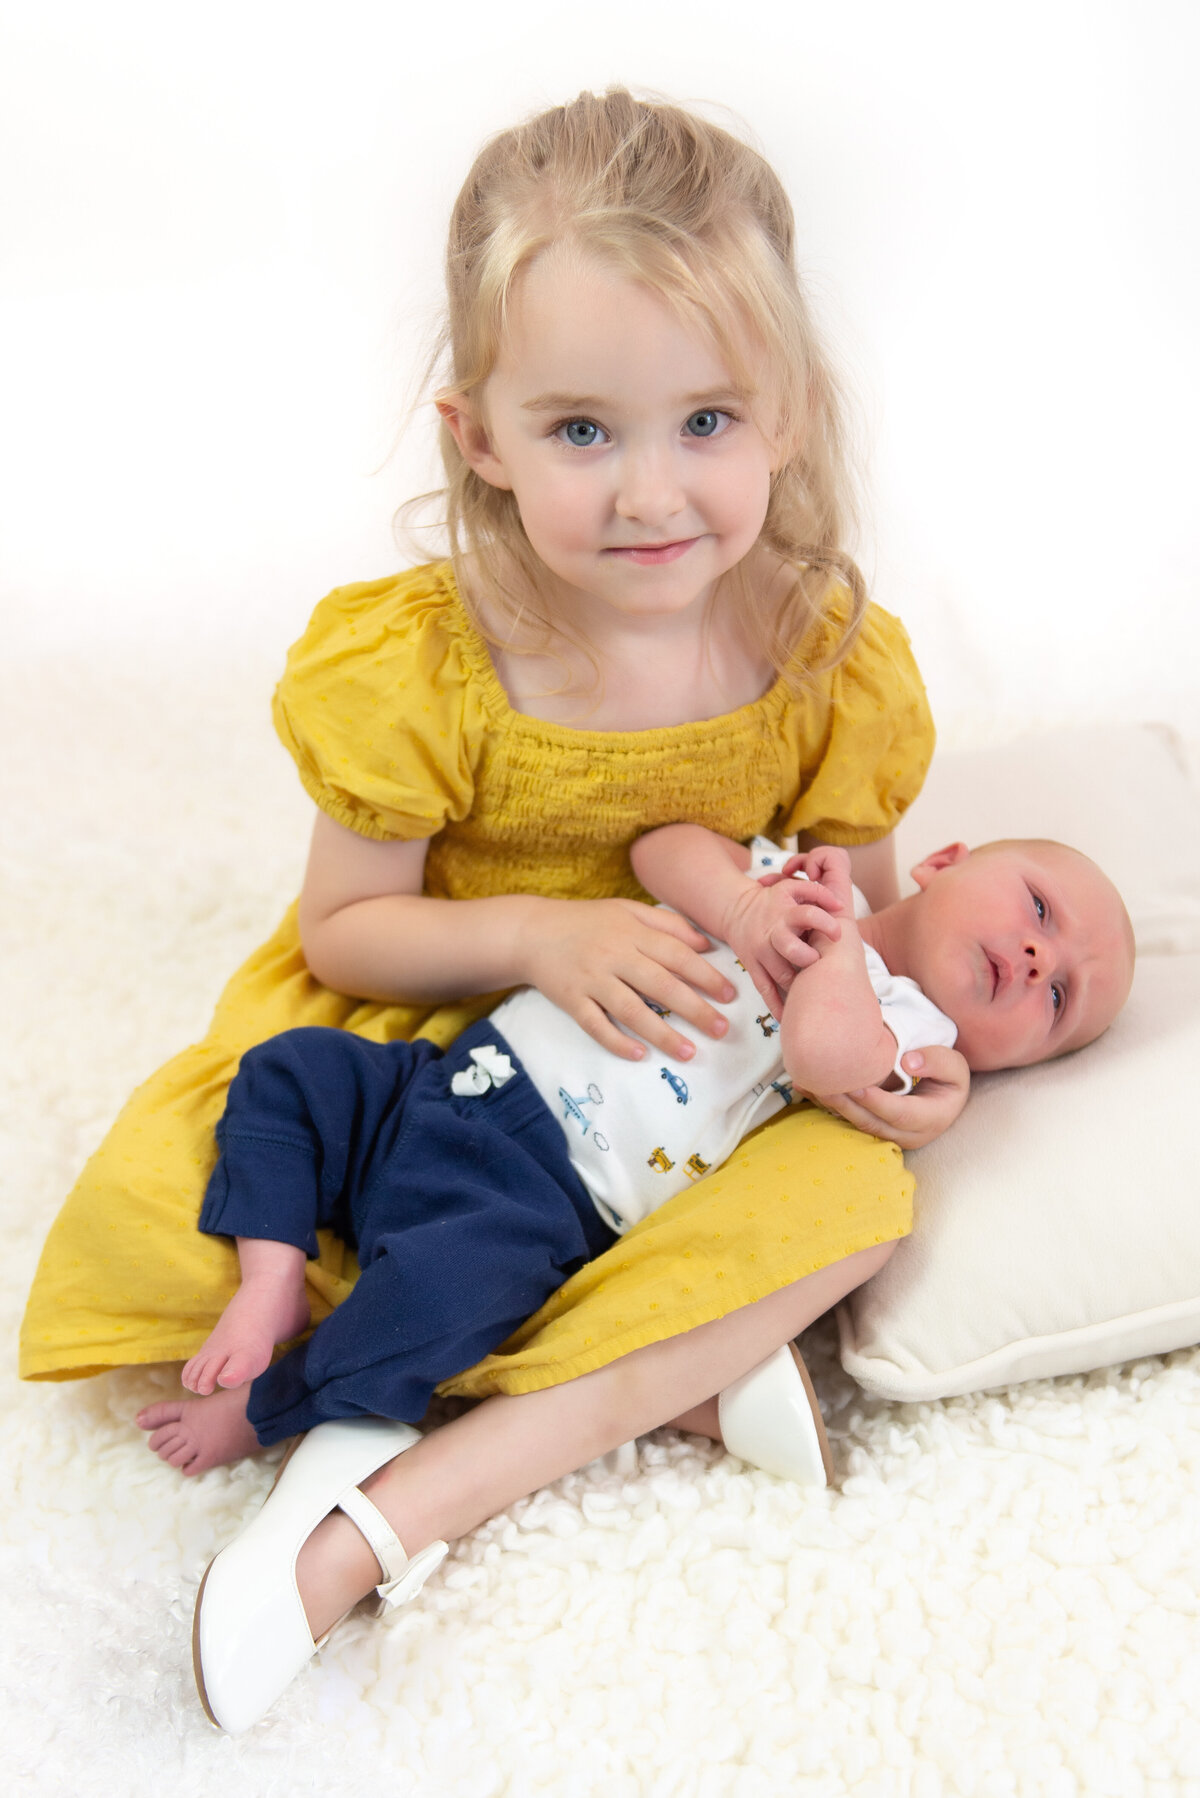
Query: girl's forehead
[[575, 309]]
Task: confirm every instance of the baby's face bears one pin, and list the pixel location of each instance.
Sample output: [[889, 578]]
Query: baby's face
[[1026, 946]]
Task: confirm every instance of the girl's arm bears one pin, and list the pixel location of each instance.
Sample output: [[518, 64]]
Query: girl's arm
[[367, 928]]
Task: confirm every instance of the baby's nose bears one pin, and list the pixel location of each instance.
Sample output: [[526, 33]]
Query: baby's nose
[[1031, 961]]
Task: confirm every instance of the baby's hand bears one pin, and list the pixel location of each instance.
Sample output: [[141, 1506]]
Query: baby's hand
[[828, 868], [771, 928], [616, 961]]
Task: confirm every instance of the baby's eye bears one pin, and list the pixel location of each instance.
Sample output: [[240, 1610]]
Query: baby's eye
[[1057, 997], [1040, 908], [708, 423], [579, 432]]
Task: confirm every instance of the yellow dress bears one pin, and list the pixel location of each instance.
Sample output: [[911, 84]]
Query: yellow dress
[[400, 729]]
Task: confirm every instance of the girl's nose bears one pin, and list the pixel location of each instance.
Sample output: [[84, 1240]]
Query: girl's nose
[[649, 489], [1031, 961]]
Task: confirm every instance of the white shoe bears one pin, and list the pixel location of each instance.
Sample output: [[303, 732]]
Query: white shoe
[[251, 1637], [770, 1418]]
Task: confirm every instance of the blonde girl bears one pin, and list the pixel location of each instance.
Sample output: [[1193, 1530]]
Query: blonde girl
[[648, 614]]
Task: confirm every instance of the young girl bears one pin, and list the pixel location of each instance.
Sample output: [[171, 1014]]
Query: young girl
[[648, 615]]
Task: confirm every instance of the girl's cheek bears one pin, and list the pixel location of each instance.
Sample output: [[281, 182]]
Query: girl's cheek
[[567, 506]]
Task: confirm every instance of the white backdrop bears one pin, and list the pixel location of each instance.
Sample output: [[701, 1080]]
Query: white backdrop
[[220, 245]]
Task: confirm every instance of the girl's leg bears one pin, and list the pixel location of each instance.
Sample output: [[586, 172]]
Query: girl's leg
[[702, 1420], [269, 1307], [460, 1475]]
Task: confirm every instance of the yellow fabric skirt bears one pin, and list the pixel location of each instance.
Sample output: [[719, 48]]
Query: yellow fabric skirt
[[126, 1277]]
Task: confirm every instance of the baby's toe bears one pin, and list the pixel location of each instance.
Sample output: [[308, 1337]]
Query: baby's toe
[[152, 1417], [166, 1440], [242, 1366], [201, 1374]]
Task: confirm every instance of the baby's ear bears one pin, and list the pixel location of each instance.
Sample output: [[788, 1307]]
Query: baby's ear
[[949, 857]]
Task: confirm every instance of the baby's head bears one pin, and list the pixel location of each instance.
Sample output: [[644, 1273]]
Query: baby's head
[[649, 193], [1025, 944]]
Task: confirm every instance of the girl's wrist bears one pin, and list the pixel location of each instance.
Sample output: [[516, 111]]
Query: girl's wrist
[[527, 927]]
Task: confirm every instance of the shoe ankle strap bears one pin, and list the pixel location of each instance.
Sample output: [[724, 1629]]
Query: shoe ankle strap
[[403, 1576], [385, 1544]]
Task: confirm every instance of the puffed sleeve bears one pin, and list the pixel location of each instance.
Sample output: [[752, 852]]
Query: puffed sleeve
[[378, 708], [863, 741]]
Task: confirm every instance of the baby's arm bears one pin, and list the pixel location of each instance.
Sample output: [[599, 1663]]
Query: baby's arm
[[834, 1037], [368, 928], [768, 924]]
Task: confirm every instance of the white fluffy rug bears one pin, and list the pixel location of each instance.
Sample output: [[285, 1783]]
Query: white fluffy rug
[[1000, 1597]]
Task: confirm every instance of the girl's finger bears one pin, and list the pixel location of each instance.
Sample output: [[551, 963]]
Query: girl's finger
[[600, 1027], [679, 998], [874, 1123], [630, 1009], [876, 1103], [680, 965], [672, 923]]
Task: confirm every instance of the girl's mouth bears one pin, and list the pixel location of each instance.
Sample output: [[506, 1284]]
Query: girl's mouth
[[649, 555]]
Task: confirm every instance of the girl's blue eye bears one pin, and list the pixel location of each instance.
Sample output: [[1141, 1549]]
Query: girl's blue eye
[[580, 432], [706, 423], [1057, 997], [1040, 906]]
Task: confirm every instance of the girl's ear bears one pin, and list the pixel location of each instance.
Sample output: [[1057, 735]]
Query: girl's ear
[[949, 857], [475, 446]]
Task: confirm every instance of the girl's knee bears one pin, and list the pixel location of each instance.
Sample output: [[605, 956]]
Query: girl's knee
[[869, 1261]]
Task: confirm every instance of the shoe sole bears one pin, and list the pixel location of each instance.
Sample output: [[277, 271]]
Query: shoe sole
[[818, 1420]]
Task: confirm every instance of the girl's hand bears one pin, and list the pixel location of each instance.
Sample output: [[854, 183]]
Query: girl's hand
[[916, 1118], [601, 960], [770, 930]]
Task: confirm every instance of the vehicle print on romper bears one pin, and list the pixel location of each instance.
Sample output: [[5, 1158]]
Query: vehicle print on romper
[[677, 1086], [658, 1158], [695, 1166], [662, 1010], [767, 1024], [573, 1108], [782, 1086]]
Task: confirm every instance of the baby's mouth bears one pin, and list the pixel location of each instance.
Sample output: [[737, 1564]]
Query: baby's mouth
[[999, 970]]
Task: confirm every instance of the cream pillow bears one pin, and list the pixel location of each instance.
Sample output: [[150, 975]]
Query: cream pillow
[[1058, 1223]]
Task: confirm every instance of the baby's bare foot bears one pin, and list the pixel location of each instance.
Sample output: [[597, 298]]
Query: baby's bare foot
[[267, 1308], [194, 1434]]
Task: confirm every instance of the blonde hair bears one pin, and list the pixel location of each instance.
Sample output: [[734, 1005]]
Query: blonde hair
[[680, 205]]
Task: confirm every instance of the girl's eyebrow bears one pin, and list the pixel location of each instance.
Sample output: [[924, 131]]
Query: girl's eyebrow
[[587, 402], [562, 402]]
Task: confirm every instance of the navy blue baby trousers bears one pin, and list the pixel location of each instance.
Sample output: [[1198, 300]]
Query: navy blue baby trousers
[[465, 1212]]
